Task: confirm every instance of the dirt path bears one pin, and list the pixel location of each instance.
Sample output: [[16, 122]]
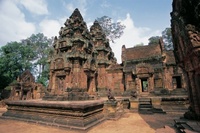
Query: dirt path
[[128, 123]]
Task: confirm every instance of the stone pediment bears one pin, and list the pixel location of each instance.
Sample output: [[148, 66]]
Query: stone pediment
[[144, 68], [26, 77]]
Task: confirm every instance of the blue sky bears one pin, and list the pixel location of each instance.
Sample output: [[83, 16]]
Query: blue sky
[[142, 18]]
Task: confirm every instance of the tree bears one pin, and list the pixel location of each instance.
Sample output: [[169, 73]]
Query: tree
[[154, 40], [167, 39], [14, 59], [111, 29], [31, 53], [42, 46]]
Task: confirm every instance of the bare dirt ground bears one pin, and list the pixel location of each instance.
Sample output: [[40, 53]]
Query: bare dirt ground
[[128, 123]]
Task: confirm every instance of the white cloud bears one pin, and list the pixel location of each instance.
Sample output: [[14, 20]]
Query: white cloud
[[13, 25], [38, 7], [105, 4], [132, 35], [50, 27], [70, 7]]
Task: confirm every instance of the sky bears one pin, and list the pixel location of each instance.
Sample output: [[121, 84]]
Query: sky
[[19, 19]]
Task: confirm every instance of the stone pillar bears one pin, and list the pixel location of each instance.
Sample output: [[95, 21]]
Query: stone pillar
[[76, 82], [195, 98]]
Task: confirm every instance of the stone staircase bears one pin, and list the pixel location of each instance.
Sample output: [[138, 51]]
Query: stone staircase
[[145, 106], [186, 127]]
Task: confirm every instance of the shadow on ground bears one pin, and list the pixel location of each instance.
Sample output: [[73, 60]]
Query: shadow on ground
[[157, 121]]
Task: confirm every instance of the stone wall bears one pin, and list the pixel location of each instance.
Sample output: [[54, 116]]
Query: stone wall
[[185, 24]]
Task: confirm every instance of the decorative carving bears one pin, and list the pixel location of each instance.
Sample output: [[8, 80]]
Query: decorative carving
[[187, 55], [194, 35], [144, 68], [110, 95]]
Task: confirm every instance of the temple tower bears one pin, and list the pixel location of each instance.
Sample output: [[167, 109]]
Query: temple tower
[[72, 69], [104, 55]]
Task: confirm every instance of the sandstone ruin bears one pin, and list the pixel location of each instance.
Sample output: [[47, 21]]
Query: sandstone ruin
[[84, 60], [25, 88], [83, 69], [186, 38]]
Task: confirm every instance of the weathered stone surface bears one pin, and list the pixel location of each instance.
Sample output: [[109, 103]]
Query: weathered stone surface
[[84, 59], [73, 78], [73, 114], [186, 39], [26, 88], [80, 59], [151, 70]]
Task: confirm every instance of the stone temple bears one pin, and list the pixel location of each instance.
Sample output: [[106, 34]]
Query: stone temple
[[80, 59], [83, 69], [83, 61]]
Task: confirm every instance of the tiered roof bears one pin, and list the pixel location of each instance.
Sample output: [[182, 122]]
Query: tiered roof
[[142, 52]]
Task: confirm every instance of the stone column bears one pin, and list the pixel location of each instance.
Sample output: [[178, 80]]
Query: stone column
[[192, 86]]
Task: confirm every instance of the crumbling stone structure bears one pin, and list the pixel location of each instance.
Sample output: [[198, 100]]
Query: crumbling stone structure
[[151, 70], [25, 88], [80, 59], [84, 64], [185, 25]]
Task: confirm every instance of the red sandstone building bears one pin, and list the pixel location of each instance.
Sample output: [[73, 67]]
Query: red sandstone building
[[25, 88], [83, 60], [185, 25]]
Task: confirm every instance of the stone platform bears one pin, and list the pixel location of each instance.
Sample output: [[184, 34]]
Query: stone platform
[[74, 114]]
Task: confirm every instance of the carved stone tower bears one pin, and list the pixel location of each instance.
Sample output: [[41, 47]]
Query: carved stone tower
[[105, 56], [72, 69]]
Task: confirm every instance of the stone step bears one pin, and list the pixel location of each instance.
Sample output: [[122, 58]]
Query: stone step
[[145, 106], [181, 126], [145, 111], [158, 110], [144, 99], [179, 91]]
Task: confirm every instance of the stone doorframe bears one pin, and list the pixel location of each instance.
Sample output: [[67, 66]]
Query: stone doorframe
[[144, 77]]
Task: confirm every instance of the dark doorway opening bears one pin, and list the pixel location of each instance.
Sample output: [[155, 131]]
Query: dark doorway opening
[[24, 96], [177, 81], [88, 83], [144, 85]]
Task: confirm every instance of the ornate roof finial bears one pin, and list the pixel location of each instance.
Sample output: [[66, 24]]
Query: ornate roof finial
[[95, 26], [76, 14]]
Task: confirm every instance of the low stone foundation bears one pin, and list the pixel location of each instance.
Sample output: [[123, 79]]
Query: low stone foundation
[[134, 104], [74, 114]]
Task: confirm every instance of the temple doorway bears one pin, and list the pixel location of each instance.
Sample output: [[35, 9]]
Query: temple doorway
[[88, 83], [177, 81], [144, 83]]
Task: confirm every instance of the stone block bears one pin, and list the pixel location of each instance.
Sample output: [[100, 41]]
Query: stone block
[[67, 114], [156, 101], [134, 103]]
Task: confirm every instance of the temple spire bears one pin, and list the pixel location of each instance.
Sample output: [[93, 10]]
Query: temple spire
[[76, 14]]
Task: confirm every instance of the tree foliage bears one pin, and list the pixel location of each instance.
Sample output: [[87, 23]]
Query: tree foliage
[[14, 59], [42, 47], [31, 53], [167, 39], [111, 29], [154, 40]]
